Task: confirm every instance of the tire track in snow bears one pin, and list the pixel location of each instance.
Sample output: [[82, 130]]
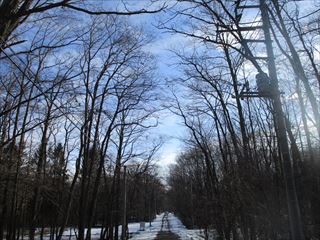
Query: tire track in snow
[[165, 233]]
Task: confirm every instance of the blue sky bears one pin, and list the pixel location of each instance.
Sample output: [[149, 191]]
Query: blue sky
[[170, 126]]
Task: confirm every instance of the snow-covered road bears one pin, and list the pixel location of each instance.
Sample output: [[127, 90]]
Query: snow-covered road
[[167, 226]]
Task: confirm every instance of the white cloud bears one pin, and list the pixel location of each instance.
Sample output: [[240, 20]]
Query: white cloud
[[168, 158], [166, 42]]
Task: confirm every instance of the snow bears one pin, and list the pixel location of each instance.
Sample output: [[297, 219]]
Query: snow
[[172, 224], [150, 232], [175, 226], [178, 228]]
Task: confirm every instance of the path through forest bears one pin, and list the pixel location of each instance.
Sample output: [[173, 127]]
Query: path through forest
[[167, 226], [165, 232]]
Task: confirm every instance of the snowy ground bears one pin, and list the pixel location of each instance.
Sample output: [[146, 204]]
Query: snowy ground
[[165, 222], [178, 228], [172, 224], [150, 232]]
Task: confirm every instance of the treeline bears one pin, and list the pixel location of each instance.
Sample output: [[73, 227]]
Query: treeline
[[78, 98], [230, 177]]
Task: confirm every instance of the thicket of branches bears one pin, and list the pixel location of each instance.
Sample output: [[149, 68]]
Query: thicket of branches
[[230, 176], [78, 98]]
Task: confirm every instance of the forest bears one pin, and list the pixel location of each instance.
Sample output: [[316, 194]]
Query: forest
[[84, 95]]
